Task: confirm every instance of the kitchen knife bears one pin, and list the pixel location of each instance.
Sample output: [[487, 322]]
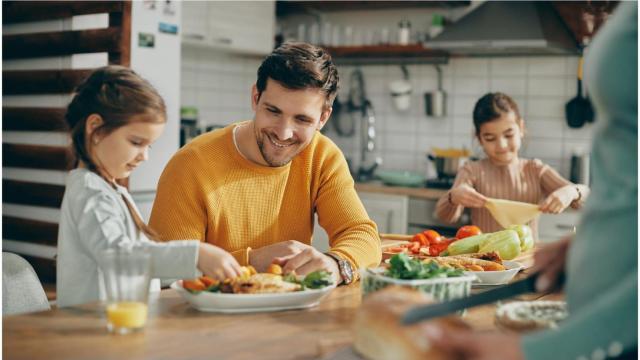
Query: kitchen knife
[[420, 313]]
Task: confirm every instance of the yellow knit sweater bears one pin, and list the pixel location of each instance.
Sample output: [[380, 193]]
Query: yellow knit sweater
[[210, 192]]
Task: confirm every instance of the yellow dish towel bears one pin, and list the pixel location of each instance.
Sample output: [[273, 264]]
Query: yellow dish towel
[[507, 212]]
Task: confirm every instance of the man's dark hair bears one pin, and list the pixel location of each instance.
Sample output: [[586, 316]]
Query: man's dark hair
[[297, 65]]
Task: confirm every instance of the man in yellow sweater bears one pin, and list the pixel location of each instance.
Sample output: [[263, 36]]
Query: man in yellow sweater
[[252, 188]]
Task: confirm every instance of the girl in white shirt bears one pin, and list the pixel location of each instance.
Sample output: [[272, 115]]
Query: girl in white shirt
[[114, 117]]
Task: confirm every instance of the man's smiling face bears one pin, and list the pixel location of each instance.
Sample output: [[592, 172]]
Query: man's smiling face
[[286, 120]]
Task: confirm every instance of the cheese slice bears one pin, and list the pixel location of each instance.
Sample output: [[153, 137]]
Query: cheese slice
[[508, 213]]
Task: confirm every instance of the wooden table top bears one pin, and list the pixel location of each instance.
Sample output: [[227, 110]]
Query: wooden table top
[[175, 330]]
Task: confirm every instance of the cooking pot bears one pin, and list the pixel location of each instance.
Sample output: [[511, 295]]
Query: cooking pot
[[447, 167]]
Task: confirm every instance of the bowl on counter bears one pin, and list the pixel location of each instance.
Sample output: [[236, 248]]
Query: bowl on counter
[[401, 178], [442, 289]]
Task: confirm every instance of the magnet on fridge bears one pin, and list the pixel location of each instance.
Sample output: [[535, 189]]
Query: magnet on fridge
[[168, 28], [146, 40]]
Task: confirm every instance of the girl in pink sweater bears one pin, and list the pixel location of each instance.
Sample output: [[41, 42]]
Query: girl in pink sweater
[[503, 174]]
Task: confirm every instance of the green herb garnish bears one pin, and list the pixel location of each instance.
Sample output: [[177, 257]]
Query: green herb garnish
[[403, 267]]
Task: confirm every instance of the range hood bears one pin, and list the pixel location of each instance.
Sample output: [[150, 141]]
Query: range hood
[[505, 28]]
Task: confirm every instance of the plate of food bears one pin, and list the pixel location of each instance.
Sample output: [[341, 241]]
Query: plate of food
[[526, 316], [488, 268], [256, 292]]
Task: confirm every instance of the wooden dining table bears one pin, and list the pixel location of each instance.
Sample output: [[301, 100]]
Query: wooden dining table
[[175, 330]]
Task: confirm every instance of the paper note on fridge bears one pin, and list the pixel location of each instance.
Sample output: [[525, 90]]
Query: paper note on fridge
[[507, 212]]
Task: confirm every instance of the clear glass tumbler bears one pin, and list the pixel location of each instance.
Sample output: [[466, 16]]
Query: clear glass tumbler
[[126, 275]]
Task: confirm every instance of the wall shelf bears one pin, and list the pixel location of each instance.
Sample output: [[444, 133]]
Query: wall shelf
[[284, 8], [387, 54]]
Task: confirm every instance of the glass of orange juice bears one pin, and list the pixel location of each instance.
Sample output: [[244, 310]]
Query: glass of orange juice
[[126, 275]]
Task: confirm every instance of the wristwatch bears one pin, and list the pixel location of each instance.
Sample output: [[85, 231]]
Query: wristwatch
[[346, 270]]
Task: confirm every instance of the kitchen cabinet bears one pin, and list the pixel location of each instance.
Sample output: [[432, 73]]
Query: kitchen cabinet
[[389, 212], [230, 26], [422, 217], [552, 227]]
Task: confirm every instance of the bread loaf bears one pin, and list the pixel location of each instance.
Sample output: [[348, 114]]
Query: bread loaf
[[379, 334]]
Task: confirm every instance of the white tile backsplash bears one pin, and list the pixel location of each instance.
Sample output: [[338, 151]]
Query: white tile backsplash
[[546, 86], [220, 86], [547, 65], [512, 85]]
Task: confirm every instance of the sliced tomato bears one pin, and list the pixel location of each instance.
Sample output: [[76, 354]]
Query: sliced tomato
[[468, 230], [436, 249], [421, 238], [415, 247], [432, 236]]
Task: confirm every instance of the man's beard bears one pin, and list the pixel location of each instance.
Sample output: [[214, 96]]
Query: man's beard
[[268, 159]]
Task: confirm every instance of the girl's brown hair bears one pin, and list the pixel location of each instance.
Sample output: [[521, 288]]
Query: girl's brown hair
[[117, 94], [491, 106]]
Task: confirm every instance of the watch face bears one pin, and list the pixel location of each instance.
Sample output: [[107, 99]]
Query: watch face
[[347, 272]]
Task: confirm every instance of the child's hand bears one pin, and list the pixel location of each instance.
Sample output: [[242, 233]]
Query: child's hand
[[559, 200], [217, 263], [467, 196]]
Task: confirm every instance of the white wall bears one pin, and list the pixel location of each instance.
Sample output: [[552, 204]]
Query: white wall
[[218, 84]]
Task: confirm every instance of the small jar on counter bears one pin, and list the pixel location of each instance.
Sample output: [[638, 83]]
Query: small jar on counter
[[404, 32]]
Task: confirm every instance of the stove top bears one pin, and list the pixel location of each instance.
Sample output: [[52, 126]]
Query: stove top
[[440, 183]]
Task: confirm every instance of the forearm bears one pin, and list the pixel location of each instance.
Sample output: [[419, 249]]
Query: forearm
[[360, 244], [173, 260], [447, 211]]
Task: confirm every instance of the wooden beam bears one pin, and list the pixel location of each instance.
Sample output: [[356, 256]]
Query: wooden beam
[[25, 11], [31, 231], [23, 82], [60, 43], [29, 193], [122, 20], [33, 119], [37, 157]]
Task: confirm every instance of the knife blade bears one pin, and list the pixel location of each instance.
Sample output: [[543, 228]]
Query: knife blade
[[420, 313]]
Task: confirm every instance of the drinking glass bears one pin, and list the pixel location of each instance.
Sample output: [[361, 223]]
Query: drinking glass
[[126, 274]]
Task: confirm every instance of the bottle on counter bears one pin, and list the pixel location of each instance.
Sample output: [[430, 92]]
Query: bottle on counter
[[404, 32], [437, 25]]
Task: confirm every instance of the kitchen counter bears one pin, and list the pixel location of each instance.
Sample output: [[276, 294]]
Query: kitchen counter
[[415, 192]]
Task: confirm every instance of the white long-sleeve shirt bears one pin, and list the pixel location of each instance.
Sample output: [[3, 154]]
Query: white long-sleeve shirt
[[94, 217]]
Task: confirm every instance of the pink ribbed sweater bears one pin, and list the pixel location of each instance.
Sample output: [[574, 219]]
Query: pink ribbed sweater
[[527, 180]]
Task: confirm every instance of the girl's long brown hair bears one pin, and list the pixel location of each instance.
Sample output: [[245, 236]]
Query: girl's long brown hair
[[117, 94]]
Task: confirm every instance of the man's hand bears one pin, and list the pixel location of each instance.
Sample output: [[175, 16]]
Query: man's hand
[[473, 345], [295, 256], [467, 196], [550, 261], [309, 260]]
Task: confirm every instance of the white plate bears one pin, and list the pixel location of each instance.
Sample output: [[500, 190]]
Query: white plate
[[497, 277], [243, 303]]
